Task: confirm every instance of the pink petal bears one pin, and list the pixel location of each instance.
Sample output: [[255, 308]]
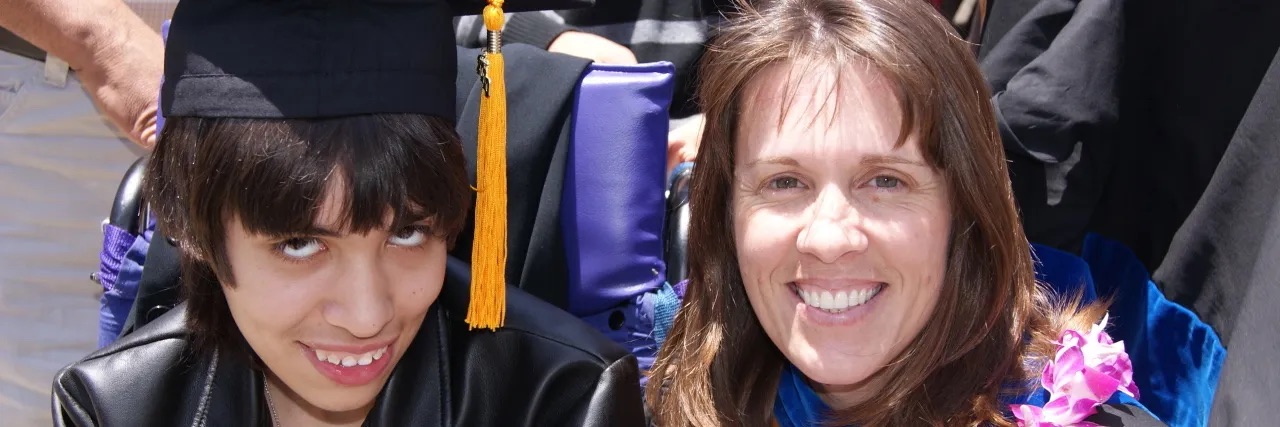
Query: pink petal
[[1070, 361], [1098, 386], [1066, 411], [1098, 331], [1072, 338], [1027, 415]]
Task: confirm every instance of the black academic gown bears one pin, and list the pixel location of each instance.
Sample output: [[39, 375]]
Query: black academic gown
[[1185, 173], [1223, 260], [545, 368]]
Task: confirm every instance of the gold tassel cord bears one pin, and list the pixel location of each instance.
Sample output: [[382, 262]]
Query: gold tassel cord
[[488, 308]]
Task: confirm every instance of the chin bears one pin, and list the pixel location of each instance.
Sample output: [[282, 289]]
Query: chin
[[838, 378], [832, 369], [345, 400]]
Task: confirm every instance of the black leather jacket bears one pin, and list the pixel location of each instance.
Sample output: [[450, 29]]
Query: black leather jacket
[[545, 368]]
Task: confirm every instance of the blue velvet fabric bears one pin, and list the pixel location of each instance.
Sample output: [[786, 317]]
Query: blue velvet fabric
[[1176, 356], [797, 405]]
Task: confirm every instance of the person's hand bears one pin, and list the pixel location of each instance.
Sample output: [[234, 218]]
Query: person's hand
[[683, 141], [126, 85], [591, 46], [117, 57]]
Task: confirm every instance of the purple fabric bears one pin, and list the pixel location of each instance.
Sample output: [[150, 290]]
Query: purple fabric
[[164, 35], [115, 243], [613, 206], [119, 270], [681, 288], [631, 325]]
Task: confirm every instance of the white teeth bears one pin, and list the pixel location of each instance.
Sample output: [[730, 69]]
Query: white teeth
[[349, 360], [839, 301]]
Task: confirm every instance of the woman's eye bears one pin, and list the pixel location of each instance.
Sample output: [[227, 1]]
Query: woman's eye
[[886, 182], [785, 183], [300, 247], [409, 236]]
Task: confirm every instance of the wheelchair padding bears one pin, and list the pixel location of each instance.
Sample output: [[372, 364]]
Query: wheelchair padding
[[678, 222], [613, 206]]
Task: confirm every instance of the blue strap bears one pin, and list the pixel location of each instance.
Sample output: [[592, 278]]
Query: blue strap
[[665, 306]]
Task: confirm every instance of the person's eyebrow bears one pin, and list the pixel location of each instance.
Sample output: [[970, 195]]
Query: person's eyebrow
[[888, 159], [785, 161], [874, 159]]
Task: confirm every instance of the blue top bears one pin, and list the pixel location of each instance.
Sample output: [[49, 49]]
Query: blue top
[[798, 405]]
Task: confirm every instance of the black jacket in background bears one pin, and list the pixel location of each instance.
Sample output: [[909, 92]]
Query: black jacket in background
[[1225, 260], [1116, 115], [545, 368], [1189, 179]]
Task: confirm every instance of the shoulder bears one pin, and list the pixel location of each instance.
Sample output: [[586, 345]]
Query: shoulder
[[138, 370], [535, 325], [542, 356]]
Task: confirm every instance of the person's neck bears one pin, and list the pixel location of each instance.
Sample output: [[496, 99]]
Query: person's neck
[[848, 396], [292, 410]]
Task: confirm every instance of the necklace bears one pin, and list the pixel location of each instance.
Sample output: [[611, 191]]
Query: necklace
[[271, 406]]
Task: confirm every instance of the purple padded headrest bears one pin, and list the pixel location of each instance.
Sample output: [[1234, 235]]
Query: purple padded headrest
[[613, 201]]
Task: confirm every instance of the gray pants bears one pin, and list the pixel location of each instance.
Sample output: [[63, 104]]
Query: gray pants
[[60, 164]]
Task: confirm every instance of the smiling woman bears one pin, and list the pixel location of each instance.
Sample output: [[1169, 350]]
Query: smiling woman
[[314, 197], [855, 254]]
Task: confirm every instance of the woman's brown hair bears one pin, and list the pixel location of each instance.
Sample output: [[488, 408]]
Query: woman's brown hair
[[272, 175], [993, 325]]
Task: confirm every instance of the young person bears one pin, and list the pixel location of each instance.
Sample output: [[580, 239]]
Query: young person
[[310, 173]]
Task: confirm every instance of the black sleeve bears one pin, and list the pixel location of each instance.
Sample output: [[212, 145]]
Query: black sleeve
[[1117, 415], [614, 401]]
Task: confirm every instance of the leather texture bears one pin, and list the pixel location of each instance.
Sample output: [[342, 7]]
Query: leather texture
[[545, 368], [677, 242], [613, 205]]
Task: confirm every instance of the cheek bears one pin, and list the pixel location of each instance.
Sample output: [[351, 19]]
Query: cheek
[[418, 280], [762, 241], [929, 247], [255, 301]]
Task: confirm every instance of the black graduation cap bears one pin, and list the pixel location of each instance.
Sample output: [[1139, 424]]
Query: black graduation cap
[[318, 58], [331, 58]]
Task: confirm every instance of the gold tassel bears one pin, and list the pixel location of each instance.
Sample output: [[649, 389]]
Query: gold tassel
[[488, 307]]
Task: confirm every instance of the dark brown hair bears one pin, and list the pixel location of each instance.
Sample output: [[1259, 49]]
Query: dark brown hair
[[272, 174], [993, 323]]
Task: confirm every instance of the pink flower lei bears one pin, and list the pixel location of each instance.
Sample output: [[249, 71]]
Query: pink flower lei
[[1086, 371]]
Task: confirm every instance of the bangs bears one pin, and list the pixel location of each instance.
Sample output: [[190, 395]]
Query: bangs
[[810, 49], [373, 166], [275, 176]]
